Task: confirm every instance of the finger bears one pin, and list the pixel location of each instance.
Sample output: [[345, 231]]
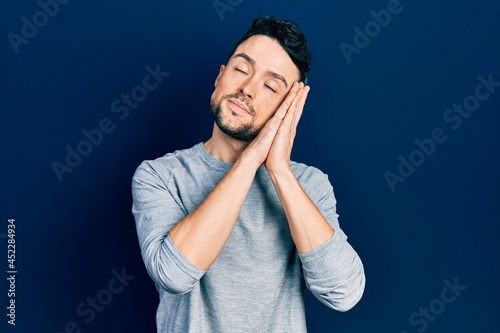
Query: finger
[[295, 113], [300, 106], [289, 120], [275, 122], [287, 102]]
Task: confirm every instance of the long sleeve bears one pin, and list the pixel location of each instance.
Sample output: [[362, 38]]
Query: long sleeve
[[258, 279], [156, 210], [333, 271]]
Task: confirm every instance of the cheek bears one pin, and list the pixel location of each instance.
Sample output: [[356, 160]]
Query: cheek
[[217, 94], [222, 88], [270, 105], [266, 110]]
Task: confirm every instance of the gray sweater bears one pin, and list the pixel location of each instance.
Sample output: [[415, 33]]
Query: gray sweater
[[257, 282]]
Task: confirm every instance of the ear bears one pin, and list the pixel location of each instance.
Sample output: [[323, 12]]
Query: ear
[[221, 69]]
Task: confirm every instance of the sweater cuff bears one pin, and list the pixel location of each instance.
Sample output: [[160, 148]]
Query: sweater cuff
[[186, 274], [334, 243]]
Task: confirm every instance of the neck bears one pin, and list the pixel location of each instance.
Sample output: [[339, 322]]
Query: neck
[[223, 147]]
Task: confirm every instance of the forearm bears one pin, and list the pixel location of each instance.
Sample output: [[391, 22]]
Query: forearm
[[201, 235], [308, 227], [334, 273]]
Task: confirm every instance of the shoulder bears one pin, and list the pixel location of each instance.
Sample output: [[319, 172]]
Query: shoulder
[[314, 181], [307, 174], [164, 166]]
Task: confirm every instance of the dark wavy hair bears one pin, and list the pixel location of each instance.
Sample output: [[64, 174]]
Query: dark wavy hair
[[288, 35]]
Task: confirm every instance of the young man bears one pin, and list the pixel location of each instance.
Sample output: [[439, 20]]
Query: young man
[[231, 230]]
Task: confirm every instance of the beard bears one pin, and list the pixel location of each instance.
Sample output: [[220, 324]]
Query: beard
[[240, 132]]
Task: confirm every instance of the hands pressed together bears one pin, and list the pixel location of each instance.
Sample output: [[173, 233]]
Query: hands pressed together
[[273, 145]]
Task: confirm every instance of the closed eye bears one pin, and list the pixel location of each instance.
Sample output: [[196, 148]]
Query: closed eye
[[241, 71], [270, 88]]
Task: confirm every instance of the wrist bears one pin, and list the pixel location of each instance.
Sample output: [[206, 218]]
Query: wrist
[[247, 160], [281, 172]]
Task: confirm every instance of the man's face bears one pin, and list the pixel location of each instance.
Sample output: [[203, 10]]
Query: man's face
[[252, 85]]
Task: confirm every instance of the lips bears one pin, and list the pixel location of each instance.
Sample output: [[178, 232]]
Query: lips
[[238, 107]]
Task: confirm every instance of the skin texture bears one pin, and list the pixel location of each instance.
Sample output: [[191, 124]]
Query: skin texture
[[251, 94]]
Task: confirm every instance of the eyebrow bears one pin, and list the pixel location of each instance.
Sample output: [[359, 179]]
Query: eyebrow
[[269, 72]]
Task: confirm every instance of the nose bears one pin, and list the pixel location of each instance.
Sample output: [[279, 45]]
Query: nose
[[247, 88]]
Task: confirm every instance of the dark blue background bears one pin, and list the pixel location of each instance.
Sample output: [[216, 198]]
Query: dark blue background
[[441, 223]]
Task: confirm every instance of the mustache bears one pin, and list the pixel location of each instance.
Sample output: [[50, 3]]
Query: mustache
[[240, 97]]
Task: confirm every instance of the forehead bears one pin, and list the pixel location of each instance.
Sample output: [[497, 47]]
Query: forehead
[[269, 55]]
